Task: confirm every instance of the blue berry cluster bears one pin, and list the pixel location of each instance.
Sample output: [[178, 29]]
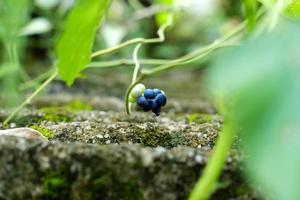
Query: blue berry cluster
[[153, 99]]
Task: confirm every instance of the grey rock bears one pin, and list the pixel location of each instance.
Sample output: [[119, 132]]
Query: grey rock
[[35, 170], [28, 133]]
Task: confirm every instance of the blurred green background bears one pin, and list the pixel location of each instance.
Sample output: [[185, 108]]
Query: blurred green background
[[29, 30]]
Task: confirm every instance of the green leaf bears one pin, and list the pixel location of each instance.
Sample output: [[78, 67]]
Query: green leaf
[[14, 15], [250, 11], [293, 10], [260, 86], [268, 3], [74, 47], [163, 17]]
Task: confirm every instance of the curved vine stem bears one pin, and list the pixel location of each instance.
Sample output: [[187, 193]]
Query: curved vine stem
[[161, 38], [189, 58], [205, 52], [115, 63], [136, 70], [228, 39], [136, 62]]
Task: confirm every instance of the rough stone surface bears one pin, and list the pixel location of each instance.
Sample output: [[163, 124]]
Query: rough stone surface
[[28, 133], [96, 151], [108, 127], [35, 170]]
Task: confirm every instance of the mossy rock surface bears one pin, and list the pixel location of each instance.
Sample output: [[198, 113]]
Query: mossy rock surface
[[54, 170], [108, 155], [96, 151]]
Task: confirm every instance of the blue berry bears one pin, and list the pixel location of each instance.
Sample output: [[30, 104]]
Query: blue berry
[[149, 94], [146, 108], [142, 101], [161, 100], [156, 91], [156, 110], [152, 104]]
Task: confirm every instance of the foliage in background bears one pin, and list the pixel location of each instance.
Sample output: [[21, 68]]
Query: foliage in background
[[13, 16], [259, 85], [163, 17], [259, 79], [75, 46]]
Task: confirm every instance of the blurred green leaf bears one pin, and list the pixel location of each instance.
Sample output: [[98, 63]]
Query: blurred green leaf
[[7, 69], [163, 17], [293, 10], [268, 3], [250, 12], [74, 47], [46, 4], [13, 16], [37, 25], [260, 85]]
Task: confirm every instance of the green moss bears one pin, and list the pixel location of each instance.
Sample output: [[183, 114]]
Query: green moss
[[46, 132], [50, 114], [55, 114], [132, 191], [62, 113], [107, 187], [154, 137], [176, 139], [100, 185], [148, 140], [55, 185], [198, 118], [77, 105]]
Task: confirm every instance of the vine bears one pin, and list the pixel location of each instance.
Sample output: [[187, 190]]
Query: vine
[[164, 65]]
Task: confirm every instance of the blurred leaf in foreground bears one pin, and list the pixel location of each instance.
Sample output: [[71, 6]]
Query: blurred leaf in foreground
[[293, 10], [268, 3], [260, 84], [74, 47]]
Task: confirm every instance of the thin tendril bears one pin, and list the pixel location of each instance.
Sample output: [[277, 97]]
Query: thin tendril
[[136, 62], [161, 38]]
